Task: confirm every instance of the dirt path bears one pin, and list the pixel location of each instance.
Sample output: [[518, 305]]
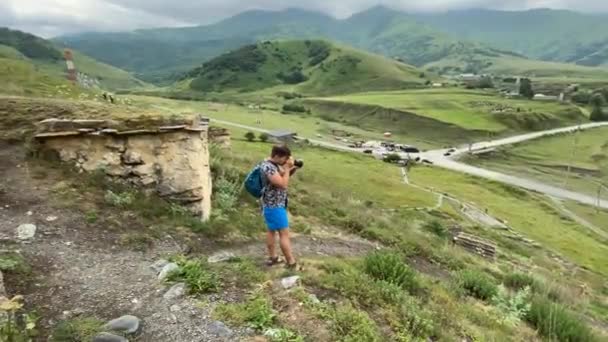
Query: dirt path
[[81, 269]]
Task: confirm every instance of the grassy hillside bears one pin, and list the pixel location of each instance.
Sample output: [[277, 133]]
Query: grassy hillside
[[376, 256], [553, 35], [26, 54], [502, 64], [309, 67], [470, 110], [547, 160], [21, 77]]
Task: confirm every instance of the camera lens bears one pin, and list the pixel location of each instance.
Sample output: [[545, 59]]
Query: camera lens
[[299, 163]]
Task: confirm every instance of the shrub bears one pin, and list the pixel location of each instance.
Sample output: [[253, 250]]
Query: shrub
[[477, 284], [196, 275], [264, 137], [555, 322], [437, 228], [119, 199], [257, 312], [78, 329], [282, 335], [518, 281], [513, 308], [13, 263], [351, 325], [226, 194], [411, 321], [15, 325], [293, 77], [389, 267], [250, 136], [294, 108]]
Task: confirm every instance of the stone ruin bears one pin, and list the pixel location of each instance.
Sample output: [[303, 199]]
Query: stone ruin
[[166, 156], [219, 136]]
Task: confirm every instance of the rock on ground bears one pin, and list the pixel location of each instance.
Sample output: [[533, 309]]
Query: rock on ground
[[290, 282], [167, 269], [128, 324], [158, 265], [26, 231], [176, 291], [220, 329], [107, 337], [220, 257]]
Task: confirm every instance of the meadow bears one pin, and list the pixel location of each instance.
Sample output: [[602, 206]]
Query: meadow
[[548, 160], [468, 109]]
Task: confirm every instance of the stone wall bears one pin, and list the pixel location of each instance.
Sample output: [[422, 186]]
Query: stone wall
[[219, 136], [171, 159]]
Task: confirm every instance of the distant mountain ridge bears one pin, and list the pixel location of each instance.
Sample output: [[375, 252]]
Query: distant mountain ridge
[[161, 54], [546, 34]]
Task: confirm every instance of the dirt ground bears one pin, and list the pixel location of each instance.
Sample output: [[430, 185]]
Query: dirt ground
[[82, 269]]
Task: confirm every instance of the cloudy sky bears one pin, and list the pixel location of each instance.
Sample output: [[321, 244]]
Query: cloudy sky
[[54, 17]]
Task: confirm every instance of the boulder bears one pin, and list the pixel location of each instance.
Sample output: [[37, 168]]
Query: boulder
[[126, 324], [158, 265], [167, 270], [176, 291], [26, 231], [220, 329]]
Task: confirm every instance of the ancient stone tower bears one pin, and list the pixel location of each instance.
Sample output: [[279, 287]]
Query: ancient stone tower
[[169, 157]]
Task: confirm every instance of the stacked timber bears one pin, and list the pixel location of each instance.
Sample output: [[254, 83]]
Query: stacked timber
[[476, 245]]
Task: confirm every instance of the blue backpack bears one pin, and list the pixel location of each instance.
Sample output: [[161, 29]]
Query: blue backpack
[[254, 183]]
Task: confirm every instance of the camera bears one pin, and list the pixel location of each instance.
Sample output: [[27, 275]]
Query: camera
[[299, 163]]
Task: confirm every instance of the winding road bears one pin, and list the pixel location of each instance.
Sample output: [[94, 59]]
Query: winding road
[[438, 158]]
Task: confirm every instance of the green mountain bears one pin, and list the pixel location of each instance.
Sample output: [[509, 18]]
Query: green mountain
[[163, 52], [422, 40], [25, 58], [304, 66], [551, 35]]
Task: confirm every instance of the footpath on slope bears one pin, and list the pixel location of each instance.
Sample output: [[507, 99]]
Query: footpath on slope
[[81, 269]]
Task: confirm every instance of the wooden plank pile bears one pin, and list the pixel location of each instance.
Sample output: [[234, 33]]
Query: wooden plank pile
[[476, 245]]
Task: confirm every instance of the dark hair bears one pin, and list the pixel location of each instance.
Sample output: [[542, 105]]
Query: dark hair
[[280, 151]]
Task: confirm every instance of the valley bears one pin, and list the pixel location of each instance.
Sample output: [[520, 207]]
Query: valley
[[391, 245]]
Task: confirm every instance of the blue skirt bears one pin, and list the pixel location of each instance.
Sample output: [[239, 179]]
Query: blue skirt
[[276, 218]]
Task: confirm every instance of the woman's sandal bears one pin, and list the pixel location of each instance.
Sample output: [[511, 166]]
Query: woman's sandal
[[273, 261], [292, 267]]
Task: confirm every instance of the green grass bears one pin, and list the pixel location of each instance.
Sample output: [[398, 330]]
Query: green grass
[[477, 284], [77, 330], [13, 263], [547, 160], [256, 312], [595, 216], [539, 71], [555, 322], [308, 126], [197, 275], [468, 109], [527, 213]]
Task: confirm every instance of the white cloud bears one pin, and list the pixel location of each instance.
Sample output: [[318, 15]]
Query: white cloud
[[52, 17]]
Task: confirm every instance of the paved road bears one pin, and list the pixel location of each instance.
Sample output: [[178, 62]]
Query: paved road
[[519, 138], [438, 159]]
